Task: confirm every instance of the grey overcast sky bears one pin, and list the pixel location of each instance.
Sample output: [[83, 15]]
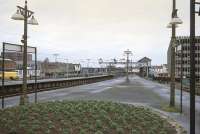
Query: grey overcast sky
[[82, 29]]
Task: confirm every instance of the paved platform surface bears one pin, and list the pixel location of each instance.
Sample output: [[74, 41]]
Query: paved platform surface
[[137, 91], [16, 82]]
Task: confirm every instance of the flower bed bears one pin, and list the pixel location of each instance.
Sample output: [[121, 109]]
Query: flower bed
[[84, 117]]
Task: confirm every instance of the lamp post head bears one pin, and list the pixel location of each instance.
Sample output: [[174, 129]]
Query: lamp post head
[[17, 16], [100, 61], [33, 21], [127, 52], [170, 25], [176, 20]]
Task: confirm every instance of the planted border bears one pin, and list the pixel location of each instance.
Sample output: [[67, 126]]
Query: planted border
[[84, 117]]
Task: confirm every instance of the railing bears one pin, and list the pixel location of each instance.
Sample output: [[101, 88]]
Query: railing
[[185, 87]]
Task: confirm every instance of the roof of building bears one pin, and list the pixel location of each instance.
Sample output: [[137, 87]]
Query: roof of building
[[5, 59], [157, 67], [144, 60]]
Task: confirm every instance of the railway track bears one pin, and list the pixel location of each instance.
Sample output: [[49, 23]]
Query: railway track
[[15, 88]]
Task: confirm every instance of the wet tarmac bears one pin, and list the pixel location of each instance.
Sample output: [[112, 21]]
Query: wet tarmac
[[136, 91]]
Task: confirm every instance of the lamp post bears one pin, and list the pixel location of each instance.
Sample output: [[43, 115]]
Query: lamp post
[[88, 62], [127, 53], [101, 67], [147, 69], [192, 64], [67, 68], [24, 14], [173, 24], [56, 57], [181, 95]]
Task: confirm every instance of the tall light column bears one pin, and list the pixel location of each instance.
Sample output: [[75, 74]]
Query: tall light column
[[173, 24], [23, 14], [56, 57], [24, 98], [127, 53], [67, 67], [172, 84], [88, 62], [192, 66]]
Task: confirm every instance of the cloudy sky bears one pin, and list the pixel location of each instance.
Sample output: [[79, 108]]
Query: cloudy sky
[[82, 29]]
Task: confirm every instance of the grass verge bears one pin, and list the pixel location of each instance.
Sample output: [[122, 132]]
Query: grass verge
[[168, 108]]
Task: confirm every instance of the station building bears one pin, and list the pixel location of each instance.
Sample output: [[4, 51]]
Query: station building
[[144, 66]]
